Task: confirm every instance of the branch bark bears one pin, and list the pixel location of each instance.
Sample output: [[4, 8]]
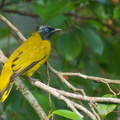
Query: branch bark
[[23, 13]]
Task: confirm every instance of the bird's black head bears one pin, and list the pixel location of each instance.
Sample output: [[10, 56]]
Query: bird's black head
[[46, 31]]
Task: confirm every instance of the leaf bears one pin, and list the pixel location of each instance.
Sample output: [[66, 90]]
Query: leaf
[[39, 10], [49, 11], [43, 101], [98, 10], [68, 114], [68, 46], [54, 20], [105, 109], [116, 13], [93, 41]]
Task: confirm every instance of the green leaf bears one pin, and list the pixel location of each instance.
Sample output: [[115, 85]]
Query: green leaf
[[54, 21], [50, 10], [39, 10], [98, 10], [68, 114], [68, 46], [57, 9], [93, 40], [43, 101], [106, 108], [116, 13]]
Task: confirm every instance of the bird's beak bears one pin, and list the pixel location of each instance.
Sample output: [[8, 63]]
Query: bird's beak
[[55, 30]]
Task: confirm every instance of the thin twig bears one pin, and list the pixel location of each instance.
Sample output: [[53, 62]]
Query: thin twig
[[97, 79], [64, 80], [91, 18], [90, 99], [12, 27], [95, 113], [80, 107], [23, 13], [111, 89], [61, 95], [48, 77]]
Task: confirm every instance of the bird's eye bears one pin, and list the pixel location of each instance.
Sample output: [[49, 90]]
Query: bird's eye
[[46, 30]]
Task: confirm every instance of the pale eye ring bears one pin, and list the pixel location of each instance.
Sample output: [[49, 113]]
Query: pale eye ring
[[46, 29]]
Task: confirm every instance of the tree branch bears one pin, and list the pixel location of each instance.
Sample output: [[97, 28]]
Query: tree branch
[[115, 30], [12, 27], [31, 99], [57, 93], [23, 13]]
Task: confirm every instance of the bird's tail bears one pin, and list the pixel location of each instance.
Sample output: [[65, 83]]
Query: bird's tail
[[4, 93], [5, 83]]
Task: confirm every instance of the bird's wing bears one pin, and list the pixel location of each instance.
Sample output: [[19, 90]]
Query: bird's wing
[[26, 58]]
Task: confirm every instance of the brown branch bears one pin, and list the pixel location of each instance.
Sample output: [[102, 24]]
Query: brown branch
[[57, 93], [92, 18], [19, 12], [96, 113], [97, 79], [90, 99], [80, 107]]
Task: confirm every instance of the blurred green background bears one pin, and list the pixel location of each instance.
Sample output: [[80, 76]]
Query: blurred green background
[[88, 43]]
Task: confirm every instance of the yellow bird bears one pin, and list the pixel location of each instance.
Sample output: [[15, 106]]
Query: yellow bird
[[25, 60]]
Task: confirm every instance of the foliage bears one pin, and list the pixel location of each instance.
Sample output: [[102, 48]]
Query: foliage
[[104, 108], [89, 43], [67, 114]]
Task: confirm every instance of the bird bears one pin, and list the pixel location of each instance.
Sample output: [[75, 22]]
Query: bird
[[27, 58]]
